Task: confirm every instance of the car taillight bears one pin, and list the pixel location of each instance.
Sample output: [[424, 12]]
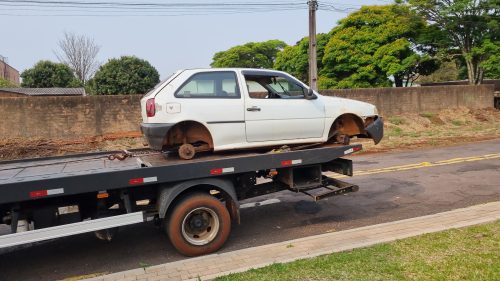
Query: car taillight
[[150, 107]]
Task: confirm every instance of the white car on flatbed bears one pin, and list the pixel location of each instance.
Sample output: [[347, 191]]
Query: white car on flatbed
[[236, 108]]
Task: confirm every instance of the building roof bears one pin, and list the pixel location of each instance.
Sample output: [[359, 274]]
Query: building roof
[[45, 91]]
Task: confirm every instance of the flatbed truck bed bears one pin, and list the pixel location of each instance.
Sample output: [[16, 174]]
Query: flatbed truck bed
[[194, 200]]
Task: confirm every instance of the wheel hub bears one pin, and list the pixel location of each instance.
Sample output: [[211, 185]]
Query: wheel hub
[[200, 226], [198, 223]]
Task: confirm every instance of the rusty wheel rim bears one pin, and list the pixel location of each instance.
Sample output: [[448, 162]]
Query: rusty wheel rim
[[187, 151], [200, 226]]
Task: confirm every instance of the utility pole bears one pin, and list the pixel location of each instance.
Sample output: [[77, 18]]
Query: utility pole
[[313, 62]]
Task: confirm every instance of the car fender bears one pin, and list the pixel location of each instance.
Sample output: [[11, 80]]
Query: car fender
[[156, 133], [335, 106]]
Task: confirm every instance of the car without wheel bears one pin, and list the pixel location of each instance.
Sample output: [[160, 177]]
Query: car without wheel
[[220, 109]]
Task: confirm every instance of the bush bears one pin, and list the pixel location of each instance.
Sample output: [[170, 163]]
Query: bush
[[47, 74], [4, 83], [126, 75]]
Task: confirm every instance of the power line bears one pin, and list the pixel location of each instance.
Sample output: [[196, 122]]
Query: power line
[[118, 8], [150, 5], [118, 3], [142, 15]]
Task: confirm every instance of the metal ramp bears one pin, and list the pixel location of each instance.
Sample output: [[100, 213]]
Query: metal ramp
[[330, 187]]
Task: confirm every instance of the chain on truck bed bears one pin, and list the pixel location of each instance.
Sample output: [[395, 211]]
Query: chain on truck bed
[[118, 155], [124, 154]]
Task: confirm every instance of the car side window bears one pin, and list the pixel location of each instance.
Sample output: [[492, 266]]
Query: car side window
[[255, 90], [269, 87], [220, 84], [287, 88]]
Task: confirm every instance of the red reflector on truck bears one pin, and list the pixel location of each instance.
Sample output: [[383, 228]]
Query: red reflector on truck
[[286, 162], [291, 162], [38, 193], [47, 192], [136, 181], [219, 171], [216, 171], [142, 180]]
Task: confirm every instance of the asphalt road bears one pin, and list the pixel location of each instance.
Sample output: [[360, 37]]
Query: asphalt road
[[415, 184]]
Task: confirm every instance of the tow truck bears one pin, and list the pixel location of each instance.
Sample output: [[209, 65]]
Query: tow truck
[[195, 201]]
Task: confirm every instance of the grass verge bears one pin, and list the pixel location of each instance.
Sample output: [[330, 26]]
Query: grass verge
[[471, 253]]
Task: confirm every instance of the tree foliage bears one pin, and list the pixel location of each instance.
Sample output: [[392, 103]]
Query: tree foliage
[[448, 71], [126, 75], [4, 83], [79, 53], [252, 55], [371, 45], [295, 59], [490, 52], [468, 29], [47, 74]]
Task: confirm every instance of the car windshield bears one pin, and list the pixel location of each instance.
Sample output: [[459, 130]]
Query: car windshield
[[278, 85]]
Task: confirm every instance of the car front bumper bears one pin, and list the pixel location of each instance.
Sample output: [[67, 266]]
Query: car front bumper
[[155, 134], [376, 130]]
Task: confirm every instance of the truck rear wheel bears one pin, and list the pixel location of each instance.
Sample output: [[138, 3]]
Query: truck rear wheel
[[199, 224]]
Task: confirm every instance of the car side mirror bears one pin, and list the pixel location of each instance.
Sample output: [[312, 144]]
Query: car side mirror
[[309, 95]]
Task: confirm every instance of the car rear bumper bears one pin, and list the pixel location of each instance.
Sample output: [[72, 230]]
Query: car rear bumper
[[155, 134], [376, 130]]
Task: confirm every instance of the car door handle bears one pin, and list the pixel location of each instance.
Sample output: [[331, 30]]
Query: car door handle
[[253, 108]]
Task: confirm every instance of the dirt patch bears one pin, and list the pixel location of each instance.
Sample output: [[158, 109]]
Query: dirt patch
[[444, 128], [11, 149]]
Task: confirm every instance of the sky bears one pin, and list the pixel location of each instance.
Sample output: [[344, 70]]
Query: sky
[[169, 40]]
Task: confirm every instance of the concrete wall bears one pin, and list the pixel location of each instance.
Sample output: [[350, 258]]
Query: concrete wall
[[74, 117], [68, 117], [4, 94], [9, 73], [393, 101], [495, 82]]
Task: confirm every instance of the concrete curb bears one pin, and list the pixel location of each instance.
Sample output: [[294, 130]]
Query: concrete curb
[[215, 265]]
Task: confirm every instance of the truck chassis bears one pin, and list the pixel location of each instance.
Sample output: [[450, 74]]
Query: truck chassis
[[194, 201]]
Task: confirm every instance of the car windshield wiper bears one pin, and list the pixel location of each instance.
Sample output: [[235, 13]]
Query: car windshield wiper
[[284, 90]]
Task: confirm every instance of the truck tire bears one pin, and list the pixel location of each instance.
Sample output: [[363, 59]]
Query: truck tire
[[199, 224]]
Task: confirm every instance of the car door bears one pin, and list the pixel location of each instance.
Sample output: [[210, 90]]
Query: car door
[[214, 98], [277, 110]]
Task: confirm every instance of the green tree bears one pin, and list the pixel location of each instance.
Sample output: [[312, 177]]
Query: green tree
[[399, 60], [448, 71], [47, 74], [253, 55], [126, 75], [4, 83], [490, 51], [371, 45], [295, 59], [469, 29]]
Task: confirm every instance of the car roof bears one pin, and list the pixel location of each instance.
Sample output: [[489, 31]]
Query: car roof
[[263, 70]]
